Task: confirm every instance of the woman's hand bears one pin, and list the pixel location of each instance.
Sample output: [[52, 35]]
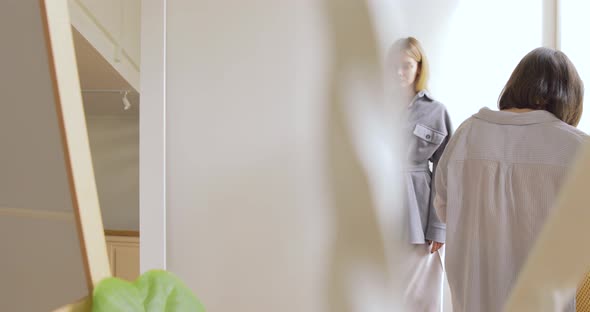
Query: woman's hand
[[435, 246]]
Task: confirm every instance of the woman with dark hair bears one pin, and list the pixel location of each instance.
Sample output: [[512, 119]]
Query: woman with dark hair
[[428, 128], [500, 174]]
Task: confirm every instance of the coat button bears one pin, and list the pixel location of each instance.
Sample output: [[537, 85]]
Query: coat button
[[428, 136]]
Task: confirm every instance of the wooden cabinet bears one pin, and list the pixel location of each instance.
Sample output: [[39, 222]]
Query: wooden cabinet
[[123, 251]]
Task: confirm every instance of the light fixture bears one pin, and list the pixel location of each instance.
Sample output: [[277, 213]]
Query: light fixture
[[124, 93], [126, 103]]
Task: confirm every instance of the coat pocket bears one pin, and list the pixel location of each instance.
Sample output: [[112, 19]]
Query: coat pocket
[[426, 142], [429, 135]]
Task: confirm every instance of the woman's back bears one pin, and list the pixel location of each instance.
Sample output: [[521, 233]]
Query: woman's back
[[496, 184]]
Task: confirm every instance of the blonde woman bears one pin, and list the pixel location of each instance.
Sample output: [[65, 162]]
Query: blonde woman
[[427, 128]]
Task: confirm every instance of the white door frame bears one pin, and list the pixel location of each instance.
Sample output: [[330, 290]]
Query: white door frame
[[551, 24], [152, 136]]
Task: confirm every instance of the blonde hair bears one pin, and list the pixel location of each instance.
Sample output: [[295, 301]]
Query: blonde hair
[[412, 47]]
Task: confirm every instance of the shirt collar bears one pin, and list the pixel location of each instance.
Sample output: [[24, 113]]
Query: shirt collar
[[518, 119], [420, 94]]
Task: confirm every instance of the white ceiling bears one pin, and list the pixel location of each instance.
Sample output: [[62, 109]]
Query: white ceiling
[[96, 73]]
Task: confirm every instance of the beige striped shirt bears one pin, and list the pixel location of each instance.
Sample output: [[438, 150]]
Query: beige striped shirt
[[496, 183]]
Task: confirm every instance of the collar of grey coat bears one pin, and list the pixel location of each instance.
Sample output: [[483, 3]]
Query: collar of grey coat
[[420, 94], [517, 119]]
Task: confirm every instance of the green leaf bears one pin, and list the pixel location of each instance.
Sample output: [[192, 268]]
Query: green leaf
[[116, 295], [154, 291]]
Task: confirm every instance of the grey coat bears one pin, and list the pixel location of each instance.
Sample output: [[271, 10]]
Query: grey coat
[[428, 129]]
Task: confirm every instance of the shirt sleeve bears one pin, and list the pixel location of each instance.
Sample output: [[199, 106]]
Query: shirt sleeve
[[436, 229]]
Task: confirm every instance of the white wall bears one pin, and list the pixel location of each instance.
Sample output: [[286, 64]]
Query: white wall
[[483, 44], [114, 143], [272, 204]]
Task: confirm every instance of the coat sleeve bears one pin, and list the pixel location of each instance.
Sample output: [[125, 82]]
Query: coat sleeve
[[436, 228]]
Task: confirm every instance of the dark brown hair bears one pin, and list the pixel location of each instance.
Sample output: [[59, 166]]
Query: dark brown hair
[[545, 79], [412, 47]]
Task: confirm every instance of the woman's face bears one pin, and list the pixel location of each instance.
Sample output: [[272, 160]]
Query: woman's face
[[406, 70]]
